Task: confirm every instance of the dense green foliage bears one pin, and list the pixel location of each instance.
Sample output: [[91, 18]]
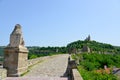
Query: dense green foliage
[[35, 52], [92, 75], [94, 46], [90, 63]]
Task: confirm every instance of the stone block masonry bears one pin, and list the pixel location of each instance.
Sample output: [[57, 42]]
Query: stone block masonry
[[16, 54]]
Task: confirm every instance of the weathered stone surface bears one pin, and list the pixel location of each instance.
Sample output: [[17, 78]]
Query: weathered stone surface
[[36, 78], [85, 49], [72, 64], [37, 60], [15, 54], [76, 75], [3, 73], [53, 66], [73, 72], [16, 37]]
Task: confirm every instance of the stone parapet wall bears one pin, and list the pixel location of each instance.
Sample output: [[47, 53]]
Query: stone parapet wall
[[76, 75], [72, 70], [37, 60]]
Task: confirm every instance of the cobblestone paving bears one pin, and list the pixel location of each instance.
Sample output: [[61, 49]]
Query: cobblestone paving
[[51, 67], [35, 78]]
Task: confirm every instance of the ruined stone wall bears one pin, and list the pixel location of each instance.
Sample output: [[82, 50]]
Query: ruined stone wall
[[72, 70]]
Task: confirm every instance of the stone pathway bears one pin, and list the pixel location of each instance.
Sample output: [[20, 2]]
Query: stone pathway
[[35, 78], [51, 67]]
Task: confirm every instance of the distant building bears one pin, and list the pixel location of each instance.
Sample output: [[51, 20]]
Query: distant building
[[88, 38]]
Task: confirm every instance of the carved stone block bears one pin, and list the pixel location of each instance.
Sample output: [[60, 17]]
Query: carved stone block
[[16, 54]]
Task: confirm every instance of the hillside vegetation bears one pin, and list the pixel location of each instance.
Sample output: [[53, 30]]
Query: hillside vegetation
[[94, 46], [35, 52], [91, 66]]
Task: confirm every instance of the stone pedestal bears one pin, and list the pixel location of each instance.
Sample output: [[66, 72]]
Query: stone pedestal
[[15, 61], [16, 54]]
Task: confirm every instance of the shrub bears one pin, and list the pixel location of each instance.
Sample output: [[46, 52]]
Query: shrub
[[90, 63]]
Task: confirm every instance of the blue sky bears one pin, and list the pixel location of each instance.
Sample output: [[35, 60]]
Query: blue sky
[[59, 22]]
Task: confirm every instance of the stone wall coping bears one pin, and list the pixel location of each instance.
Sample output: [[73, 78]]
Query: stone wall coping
[[20, 49], [76, 75]]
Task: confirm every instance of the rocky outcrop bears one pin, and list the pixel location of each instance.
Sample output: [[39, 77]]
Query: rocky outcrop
[[86, 49]]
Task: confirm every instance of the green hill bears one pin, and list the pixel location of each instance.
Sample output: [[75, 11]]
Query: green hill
[[94, 46]]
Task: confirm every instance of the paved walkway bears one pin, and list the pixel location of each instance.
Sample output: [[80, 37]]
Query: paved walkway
[[35, 78], [51, 67]]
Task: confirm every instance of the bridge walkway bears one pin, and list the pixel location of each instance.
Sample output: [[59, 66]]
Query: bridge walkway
[[52, 67]]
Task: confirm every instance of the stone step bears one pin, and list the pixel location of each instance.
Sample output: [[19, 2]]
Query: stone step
[[36, 78]]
